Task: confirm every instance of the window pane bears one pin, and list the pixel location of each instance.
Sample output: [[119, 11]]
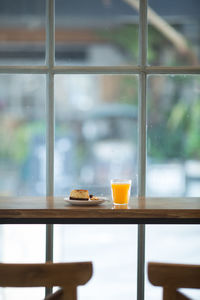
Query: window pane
[[174, 32], [96, 32], [173, 135], [22, 135], [96, 139], [113, 252], [96, 131], [22, 244], [22, 32], [172, 244], [22, 167]]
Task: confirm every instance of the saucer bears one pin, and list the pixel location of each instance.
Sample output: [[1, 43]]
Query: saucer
[[86, 202]]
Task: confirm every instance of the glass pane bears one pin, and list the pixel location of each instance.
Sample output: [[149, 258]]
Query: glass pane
[[174, 32], [113, 252], [173, 136], [22, 32], [22, 135], [22, 244], [96, 131], [96, 139], [22, 167], [96, 32], [172, 244]]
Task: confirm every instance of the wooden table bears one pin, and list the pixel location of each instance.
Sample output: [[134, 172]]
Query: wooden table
[[54, 210]]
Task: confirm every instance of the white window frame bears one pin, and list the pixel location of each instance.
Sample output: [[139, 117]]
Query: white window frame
[[142, 70]]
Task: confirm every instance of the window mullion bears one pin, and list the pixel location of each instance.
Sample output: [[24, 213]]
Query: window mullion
[[24, 69], [44, 69], [142, 142], [50, 116], [50, 57]]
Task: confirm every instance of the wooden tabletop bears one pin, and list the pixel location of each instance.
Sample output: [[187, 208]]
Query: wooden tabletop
[[54, 210]]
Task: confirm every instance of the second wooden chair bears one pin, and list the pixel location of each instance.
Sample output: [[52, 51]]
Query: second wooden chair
[[173, 277]]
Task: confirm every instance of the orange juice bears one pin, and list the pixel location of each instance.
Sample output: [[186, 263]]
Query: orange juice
[[120, 191]]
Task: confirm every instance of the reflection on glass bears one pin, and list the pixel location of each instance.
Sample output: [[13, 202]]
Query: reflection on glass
[[173, 33], [100, 33], [96, 131], [22, 32], [22, 135], [173, 136]]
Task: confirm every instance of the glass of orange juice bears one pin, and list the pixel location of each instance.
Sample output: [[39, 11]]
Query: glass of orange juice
[[120, 189]]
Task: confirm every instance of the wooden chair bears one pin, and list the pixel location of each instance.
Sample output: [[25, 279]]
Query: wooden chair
[[65, 275], [173, 277]]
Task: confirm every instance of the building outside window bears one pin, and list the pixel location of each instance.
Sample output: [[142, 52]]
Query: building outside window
[[82, 99]]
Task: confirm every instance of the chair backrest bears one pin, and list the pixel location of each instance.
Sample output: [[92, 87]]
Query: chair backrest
[[65, 275], [173, 277]]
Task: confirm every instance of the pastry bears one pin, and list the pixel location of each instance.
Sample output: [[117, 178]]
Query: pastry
[[79, 195]]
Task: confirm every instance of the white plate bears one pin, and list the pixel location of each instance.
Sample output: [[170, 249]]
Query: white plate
[[86, 202]]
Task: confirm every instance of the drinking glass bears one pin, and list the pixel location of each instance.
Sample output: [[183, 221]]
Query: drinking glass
[[120, 189]]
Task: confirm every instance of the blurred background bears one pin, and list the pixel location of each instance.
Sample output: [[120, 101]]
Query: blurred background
[[96, 121]]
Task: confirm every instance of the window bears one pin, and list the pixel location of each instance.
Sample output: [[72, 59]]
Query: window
[[93, 91]]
